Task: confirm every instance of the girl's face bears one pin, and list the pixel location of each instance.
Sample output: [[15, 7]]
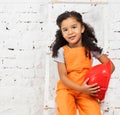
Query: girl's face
[[72, 31]]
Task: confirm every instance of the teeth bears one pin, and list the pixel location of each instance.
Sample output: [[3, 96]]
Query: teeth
[[72, 37]]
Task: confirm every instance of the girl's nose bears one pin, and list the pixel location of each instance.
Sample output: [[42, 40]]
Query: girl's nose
[[70, 31]]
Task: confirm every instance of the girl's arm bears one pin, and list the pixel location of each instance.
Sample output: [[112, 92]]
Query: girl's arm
[[89, 89], [103, 59]]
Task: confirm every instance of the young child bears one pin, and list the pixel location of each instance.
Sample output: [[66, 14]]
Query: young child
[[73, 49]]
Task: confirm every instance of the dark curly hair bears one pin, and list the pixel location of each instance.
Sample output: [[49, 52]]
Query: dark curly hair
[[89, 40]]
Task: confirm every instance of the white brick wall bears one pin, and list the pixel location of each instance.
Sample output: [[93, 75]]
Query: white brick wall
[[22, 48], [27, 28]]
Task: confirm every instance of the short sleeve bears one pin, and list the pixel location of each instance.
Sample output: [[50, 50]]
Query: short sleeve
[[60, 57], [96, 54]]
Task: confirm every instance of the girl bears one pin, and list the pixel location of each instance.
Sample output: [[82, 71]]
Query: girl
[[73, 49]]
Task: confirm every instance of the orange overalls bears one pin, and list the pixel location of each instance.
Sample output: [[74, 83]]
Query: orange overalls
[[68, 100]]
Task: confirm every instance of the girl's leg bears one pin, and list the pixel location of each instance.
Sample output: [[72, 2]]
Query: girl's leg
[[88, 105], [65, 102]]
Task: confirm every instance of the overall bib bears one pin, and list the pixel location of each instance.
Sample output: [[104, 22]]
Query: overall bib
[[68, 100]]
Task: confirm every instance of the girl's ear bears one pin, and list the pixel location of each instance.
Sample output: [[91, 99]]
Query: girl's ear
[[83, 28]]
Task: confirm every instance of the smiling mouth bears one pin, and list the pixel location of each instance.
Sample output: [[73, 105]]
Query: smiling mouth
[[72, 37]]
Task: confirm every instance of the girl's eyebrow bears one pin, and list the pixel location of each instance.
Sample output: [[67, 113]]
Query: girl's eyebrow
[[74, 25], [64, 27]]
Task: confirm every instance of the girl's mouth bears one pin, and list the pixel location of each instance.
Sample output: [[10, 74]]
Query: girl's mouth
[[72, 37]]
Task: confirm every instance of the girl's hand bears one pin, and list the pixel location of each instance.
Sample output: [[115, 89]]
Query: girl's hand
[[90, 89]]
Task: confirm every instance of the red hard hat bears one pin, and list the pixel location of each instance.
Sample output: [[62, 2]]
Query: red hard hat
[[100, 74]]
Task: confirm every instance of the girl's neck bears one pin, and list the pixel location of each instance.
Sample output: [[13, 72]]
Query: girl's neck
[[74, 46]]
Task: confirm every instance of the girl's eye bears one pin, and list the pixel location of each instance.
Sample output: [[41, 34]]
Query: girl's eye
[[64, 30], [74, 27]]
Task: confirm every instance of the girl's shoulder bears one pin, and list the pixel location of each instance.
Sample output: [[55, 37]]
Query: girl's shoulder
[[96, 54], [60, 57]]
